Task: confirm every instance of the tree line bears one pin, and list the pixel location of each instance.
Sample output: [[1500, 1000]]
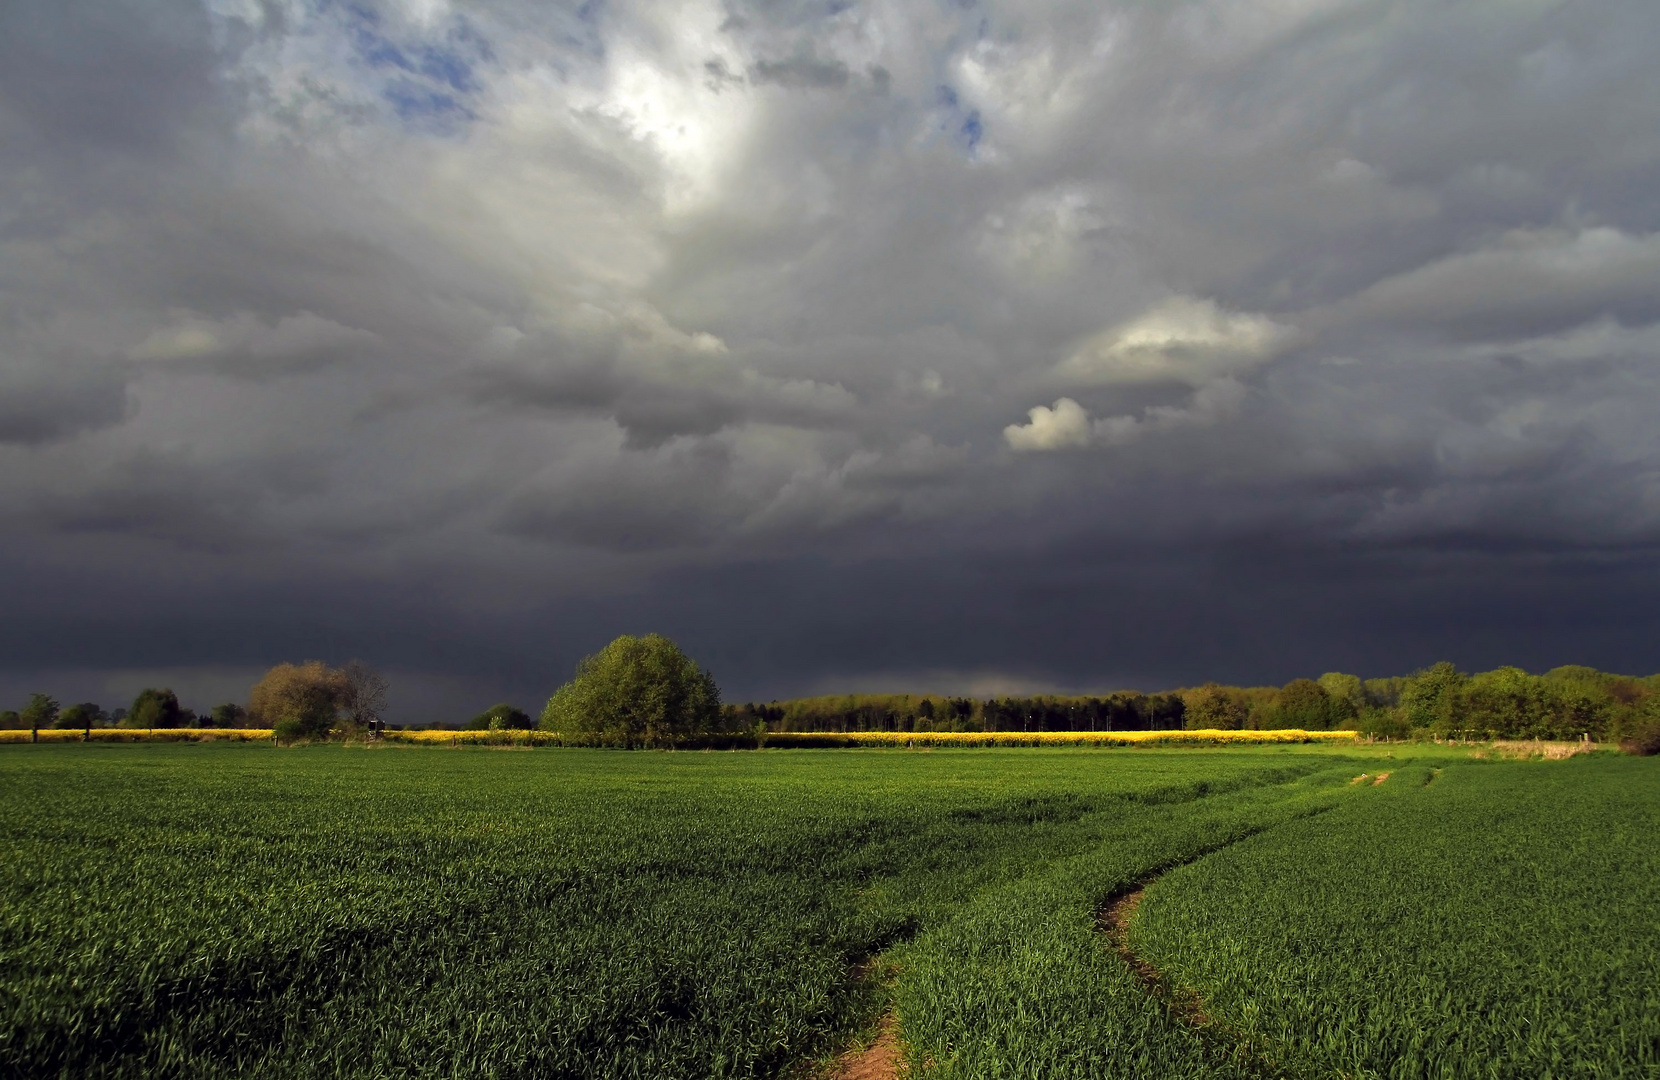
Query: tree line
[[645, 692], [1439, 701], [154, 707], [1122, 711], [297, 701]]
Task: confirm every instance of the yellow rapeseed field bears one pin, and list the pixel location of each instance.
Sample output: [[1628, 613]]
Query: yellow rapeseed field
[[475, 738], [1053, 738], [780, 740], [141, 735]]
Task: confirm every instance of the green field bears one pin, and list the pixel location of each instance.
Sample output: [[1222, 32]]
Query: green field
[[222, 910], [1497, 922]]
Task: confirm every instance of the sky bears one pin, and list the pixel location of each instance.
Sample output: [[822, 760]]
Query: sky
[[856, 345]]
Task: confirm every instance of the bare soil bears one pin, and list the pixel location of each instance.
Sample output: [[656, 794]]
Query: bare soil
[[880, 1060]]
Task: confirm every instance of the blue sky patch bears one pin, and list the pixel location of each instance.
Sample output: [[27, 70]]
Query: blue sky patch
[[965, 128], [423, 78]]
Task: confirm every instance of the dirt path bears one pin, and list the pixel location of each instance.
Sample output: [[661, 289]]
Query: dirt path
[[878, 1061]]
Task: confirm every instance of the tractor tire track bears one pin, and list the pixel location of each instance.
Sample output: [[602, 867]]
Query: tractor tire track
[[1112, 921]]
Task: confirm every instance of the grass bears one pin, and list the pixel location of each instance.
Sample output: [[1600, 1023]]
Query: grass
[[212, 910], [1502, 921]]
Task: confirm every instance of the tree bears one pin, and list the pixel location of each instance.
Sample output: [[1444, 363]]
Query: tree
[[502, 717], [229, 715], [298, 701], [364, 695], [1213, 708], [1509, 703], [1304, 704], [1345, 688], [41, 712], [83, 715], [1433, 699], [10, 720], [637, 691], [1383, 722], [154, 708]]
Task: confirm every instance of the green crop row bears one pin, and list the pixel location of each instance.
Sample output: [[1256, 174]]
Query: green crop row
[[1502, 921], [1019, 982]]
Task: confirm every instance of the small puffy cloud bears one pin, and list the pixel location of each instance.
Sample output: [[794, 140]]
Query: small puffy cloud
[[1183, 339], [1067, 424]]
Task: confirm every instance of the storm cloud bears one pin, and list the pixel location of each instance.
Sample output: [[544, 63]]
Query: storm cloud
[[858, 346]]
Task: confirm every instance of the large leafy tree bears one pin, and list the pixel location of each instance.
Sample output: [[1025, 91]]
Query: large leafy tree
[[85, 715], [635, 692], [1304, 704], [154, 708], [1433, 699], [1215, 708], [41, 712], [299, 701]]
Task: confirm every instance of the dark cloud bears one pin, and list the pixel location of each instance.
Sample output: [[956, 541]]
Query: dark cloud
[[95, 75], [46, 399], [800, 72], [1070, 347]]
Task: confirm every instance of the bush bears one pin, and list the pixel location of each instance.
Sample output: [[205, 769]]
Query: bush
[[636, 692], [294, 729], [1384, 723], [1644, 742]]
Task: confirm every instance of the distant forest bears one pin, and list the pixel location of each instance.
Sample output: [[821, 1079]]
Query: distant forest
[[1439, 701]]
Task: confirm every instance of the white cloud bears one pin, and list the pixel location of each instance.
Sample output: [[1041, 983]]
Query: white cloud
[[1067, 424], [1183, 339]]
